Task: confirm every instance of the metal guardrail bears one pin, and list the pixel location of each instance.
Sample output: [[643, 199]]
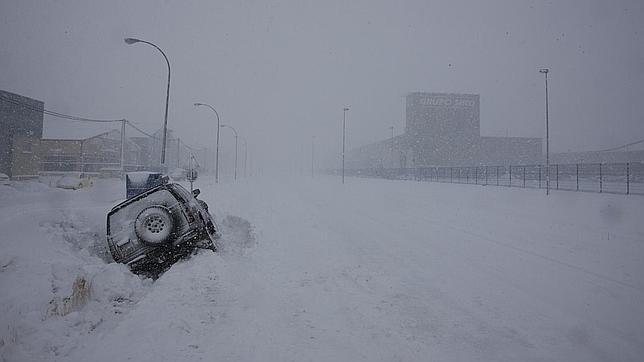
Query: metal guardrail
[[615, 178]]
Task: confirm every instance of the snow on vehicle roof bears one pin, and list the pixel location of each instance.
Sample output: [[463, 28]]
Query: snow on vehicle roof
[[140, 176]]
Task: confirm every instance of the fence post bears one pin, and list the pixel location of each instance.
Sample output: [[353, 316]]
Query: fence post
[[467, 175], [486, 169], [539, 176], [497, 175], [524, 177], [557, 175], [451, 174], [577, 177], [476, 176], [628, 176], [510, 184], [601, 186]]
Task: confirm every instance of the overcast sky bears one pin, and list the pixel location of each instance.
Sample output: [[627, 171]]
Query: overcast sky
[[281, 71]]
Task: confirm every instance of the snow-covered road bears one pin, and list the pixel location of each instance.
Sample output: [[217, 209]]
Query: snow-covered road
[[312, 270]]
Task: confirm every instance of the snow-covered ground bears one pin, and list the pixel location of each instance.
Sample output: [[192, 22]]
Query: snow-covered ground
[[312, 270]]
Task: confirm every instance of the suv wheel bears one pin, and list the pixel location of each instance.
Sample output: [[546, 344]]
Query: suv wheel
[[154, 225]]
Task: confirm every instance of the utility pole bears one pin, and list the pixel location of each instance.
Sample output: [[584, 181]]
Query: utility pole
[[392, 146], [545, 71], [312, 156], [82, 157], [123, 146], [178, 150], [344, 121]]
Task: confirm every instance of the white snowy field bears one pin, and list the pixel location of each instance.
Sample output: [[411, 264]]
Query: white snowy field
[[312, 270]]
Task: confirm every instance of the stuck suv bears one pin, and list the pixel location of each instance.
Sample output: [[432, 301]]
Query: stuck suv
[[155, 228]]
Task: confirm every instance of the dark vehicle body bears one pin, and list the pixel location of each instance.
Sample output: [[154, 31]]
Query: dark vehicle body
[[139, 182], [159, 226]]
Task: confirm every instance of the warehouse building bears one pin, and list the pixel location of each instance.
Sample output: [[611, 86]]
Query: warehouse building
[[443, 129]]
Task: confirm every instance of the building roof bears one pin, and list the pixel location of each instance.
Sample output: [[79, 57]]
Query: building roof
[[20, 98], [53, 130]]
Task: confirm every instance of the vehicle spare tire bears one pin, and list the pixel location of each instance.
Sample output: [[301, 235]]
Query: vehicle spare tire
[[154, 225]]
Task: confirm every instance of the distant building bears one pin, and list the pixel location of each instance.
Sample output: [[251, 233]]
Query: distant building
[[82, 154], [510, 151], [21, 120], [94, 153], [443, 129]]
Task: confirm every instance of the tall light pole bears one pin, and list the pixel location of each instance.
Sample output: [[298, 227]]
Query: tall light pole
[[545, 71], [245, 153], [236, 136], [217, 147], [344, 121], [178, 151], [312, 156], [167, 94], [392, 146]]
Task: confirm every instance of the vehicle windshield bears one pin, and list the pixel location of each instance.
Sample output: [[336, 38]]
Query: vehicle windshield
[[330, 180]]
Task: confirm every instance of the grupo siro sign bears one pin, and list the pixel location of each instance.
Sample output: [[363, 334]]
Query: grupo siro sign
[[446, 101]]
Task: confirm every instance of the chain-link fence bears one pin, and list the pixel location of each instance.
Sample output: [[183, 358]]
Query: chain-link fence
[[616, 178]]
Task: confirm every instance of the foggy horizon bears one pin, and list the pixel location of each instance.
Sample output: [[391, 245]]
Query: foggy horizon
[[281, 72]]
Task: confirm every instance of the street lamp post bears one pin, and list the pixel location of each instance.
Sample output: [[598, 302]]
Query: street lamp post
[[236, 136], [245, 153], [392, 146], [344, 121], [312, 156], [545, 71], [167, 93], [217, 147]]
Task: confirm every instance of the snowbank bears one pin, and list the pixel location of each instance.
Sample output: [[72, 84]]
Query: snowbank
[[314, 270]]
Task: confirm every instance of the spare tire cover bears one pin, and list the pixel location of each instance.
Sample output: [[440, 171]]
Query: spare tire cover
[[154, 225]]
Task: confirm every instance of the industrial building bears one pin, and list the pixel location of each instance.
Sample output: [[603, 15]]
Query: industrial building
[[82, 154], [443, 129], [21, 120]]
